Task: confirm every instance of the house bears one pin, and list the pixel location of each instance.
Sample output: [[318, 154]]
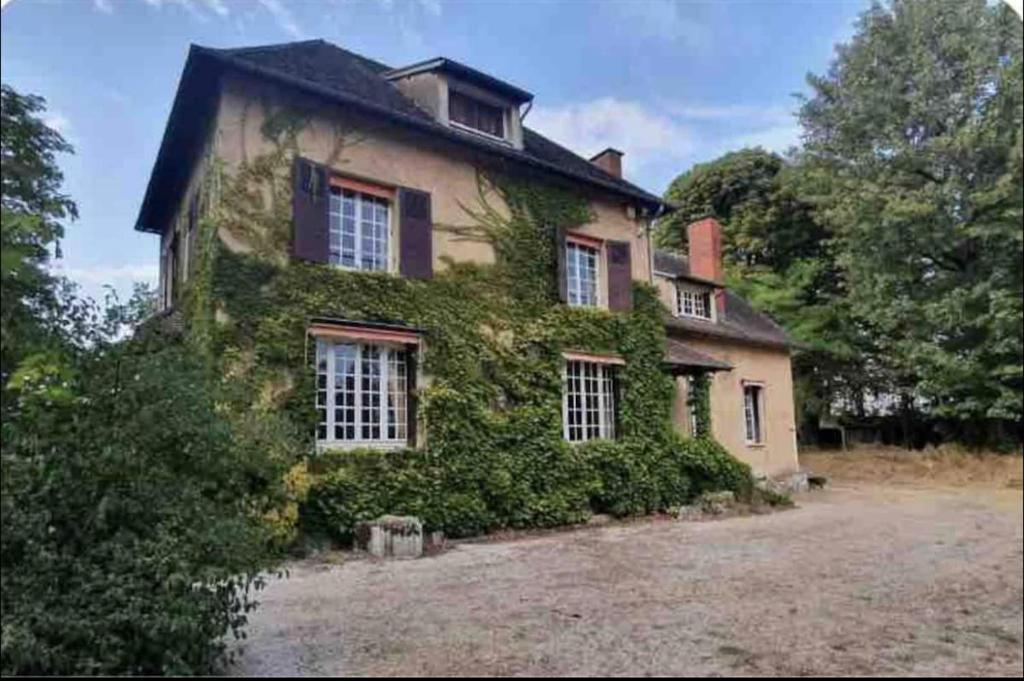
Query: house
[[383, 164]]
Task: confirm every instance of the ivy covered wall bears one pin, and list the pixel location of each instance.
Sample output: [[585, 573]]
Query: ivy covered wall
[[494, 334]]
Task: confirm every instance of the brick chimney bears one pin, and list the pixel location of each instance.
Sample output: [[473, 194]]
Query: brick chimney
[[610, 161], [705, 249]]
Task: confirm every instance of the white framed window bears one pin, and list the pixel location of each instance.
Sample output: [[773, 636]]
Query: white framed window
[[693, 302], [589, 401], [361, 394], [360, 226], [753, 413], [581, 271]]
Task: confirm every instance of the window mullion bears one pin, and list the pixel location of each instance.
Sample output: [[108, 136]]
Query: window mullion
[[329, 349], [357, 395], [382, 391]]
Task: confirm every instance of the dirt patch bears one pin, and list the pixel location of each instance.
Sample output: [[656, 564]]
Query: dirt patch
[[857, 581], [943, 466]]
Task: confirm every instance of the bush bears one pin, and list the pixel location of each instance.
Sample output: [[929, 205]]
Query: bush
[[505, 487], [132, 537]]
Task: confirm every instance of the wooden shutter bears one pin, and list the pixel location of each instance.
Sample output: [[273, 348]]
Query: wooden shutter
[[620, 276], [415, 234], [310, 205], [412, 396], [562, 283]]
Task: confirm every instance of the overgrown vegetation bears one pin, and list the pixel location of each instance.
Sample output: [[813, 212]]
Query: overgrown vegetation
[[493, 335], [890, 244], [135, 508]]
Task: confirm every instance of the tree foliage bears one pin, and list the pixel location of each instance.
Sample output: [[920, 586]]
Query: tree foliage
[[33, 210], [132, 505], [918, 125]]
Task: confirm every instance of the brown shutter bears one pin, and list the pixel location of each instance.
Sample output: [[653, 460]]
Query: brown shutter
[[412, 397], [415, 234], [620, 276], [310, 205], [562, 283]]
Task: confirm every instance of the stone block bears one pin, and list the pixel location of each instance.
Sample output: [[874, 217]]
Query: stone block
[[391, 537]]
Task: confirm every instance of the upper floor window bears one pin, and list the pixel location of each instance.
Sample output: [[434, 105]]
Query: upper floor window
[[362, 394], [589, 410], [753, 408], [475, 114], [581, 271], [359, 230], [693, 302]]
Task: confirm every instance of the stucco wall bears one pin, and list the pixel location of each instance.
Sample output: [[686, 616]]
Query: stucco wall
[[380, 152], [768, 366]]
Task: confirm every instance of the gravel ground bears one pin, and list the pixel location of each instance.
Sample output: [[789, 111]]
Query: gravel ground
[[856, 581]]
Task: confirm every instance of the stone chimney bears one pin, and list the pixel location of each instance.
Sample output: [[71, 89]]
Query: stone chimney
[[610, 161]]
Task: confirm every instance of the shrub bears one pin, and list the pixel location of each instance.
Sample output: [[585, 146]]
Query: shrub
[[132, 537]]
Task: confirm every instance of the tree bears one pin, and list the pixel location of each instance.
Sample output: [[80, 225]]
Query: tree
[[33, 211], [918, 126]]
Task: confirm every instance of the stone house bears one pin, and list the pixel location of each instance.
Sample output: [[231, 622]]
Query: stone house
[[384, 162]]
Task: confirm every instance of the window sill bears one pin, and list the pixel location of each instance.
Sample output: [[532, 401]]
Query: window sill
[[756, 445], [377, 445], [694, 317], [479, 133]]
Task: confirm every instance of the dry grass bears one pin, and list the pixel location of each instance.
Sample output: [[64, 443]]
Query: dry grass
[[942, 466]]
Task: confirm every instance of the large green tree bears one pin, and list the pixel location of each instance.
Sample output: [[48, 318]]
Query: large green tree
[[917, 125], [34, 209]]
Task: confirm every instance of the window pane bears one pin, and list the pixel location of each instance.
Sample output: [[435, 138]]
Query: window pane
[[589, 401], [581, 274], [476, 114]]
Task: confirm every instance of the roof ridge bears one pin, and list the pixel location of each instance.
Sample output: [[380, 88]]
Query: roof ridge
[[262, 48]]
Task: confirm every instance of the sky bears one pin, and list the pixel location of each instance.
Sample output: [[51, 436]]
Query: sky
[[671, 83]]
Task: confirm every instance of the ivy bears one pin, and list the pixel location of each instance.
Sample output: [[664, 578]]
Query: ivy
[[494, 337]]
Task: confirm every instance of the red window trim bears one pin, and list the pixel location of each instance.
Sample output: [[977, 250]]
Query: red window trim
[[362, 186], [585, 240]]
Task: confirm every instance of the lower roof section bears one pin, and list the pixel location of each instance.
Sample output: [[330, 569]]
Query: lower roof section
[[682, 359]]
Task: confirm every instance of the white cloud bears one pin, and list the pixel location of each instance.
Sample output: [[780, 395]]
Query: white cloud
[[110, 274], [725, 112], [778, 138], [644, 135], [666, 20], [217, 7], [283, 17], [104, 6], [57, 121]]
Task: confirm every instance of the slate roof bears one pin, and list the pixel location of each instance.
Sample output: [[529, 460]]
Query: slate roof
[[679, 356], [321, 69], [740, 322]]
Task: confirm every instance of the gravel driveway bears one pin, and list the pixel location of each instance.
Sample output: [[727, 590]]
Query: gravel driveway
[[856, 581]]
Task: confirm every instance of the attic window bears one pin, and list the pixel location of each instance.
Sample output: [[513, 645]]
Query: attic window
[[475, 114], [693, 302]]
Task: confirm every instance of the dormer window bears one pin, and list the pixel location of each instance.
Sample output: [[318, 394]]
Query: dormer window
[[692, 301], [475, 114]]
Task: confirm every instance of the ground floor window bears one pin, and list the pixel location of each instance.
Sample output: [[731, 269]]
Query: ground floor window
[[362, 393], [753, 399], [589, 407]]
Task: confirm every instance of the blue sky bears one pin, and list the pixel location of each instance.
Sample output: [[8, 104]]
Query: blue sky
[[670, 83]]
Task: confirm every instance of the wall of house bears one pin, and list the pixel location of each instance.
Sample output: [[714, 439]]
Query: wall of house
[[383, 153], [178, 225], [771, 367]]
